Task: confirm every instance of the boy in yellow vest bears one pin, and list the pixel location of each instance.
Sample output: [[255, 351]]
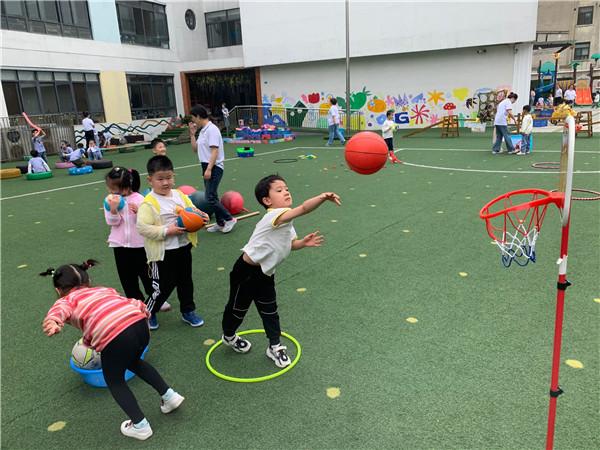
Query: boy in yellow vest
[[168, 247]]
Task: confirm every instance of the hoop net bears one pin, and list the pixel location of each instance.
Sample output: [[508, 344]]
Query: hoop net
[[514, 220]]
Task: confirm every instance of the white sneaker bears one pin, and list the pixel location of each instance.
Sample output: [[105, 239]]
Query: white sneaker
[[214, 228], [129, 430], [238, 344], [229, 224], [521, 154], [172, 404], [278, 354], [166, 306]]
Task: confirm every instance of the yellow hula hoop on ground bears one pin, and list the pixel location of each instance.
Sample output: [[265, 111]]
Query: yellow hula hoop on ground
[[258, 379]]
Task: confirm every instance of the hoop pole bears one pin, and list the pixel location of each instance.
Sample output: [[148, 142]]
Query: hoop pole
[[562, 285]]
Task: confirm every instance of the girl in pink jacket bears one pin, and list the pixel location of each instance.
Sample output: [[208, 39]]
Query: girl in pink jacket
[[120, 211]]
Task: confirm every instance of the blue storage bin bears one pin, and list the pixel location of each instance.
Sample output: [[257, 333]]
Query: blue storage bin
[[95, 377]]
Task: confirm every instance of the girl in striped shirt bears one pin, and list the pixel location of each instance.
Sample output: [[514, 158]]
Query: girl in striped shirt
[[115, 326]]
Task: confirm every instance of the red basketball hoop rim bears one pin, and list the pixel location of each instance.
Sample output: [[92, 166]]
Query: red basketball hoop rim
[[539, 197], [518, 215]]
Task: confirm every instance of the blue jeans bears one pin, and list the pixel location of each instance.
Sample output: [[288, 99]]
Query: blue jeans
[[502, 133], [334, 130], [526, 143], [212, 197]]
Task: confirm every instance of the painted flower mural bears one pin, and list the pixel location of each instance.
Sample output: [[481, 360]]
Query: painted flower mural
[[419, 114]]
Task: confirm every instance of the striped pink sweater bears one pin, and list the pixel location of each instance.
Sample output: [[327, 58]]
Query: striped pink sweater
[[100, 312]]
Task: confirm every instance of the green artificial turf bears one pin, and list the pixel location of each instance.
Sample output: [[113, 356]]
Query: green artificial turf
[[472, 373]]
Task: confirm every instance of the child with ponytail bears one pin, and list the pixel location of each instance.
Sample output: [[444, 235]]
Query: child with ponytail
[[115, 326], [120, 212]]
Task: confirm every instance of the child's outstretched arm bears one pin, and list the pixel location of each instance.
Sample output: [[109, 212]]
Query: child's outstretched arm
[[309, 205], [310, 240], [57, 316]]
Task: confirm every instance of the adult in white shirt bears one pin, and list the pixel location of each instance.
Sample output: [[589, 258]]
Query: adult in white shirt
[[570, 95], [88, 128], [558, 95], [503, 112], [209, 147], [333, 121]]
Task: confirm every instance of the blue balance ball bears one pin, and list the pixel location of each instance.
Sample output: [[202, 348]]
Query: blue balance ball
[[119, 208], [80, 170], [199, 200]]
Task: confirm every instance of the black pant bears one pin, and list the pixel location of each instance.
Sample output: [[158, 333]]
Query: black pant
[[131, 265], [390, 143], [122, 353], [89, 136], [212, 197], [246, 284], [174, 271]]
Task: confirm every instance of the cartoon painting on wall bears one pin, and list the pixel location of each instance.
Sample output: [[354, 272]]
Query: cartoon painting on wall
[[411, 109]]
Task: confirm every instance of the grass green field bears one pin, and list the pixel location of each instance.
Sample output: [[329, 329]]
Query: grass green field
[[471, 373]]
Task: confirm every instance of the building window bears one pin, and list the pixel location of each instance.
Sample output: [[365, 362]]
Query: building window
[[223, 28], [585, 15], [68, 18], [52, 92], [582, 51], [151, 96], [143, 23]]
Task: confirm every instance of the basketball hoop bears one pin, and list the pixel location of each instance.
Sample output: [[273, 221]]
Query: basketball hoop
[[514, 220]]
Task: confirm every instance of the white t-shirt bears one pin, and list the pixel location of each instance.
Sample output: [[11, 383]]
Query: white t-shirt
[[558, 93], [502, 112], [270, 244], [387, 129], [88, 124], [333, 115], [570, 94], [168, 216], [210, 136], [76, 154]]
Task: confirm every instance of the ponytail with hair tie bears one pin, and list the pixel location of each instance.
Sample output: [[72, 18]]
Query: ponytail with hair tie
[[89, 263], [49, 271]]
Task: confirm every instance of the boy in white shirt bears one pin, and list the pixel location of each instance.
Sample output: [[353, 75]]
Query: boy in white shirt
[[252, 277], [526, 129], [387, 131], [333, 121], [36, 164]]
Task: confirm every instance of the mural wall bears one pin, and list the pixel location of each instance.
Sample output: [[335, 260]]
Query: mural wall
[[420, 89]]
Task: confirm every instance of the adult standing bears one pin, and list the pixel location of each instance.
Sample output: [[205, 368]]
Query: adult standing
[[88, 128], [209, 147], [503, 112], [333, 121], [225, 113], [558, 95], [532, 98], [570, 95]]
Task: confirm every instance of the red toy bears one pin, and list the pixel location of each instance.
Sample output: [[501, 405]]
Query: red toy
[[191, 219], [233, 202], [366, 152]]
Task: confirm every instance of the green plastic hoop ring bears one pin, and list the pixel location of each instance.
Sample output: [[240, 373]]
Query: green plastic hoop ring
[[257, 379]]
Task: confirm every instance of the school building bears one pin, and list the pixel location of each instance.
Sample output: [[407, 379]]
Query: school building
[[126, 61]]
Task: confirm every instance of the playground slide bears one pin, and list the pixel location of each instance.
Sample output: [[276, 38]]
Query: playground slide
[[544, 89], [583, 96]]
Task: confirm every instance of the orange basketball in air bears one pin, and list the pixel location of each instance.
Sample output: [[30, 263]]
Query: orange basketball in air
[[366, 152]]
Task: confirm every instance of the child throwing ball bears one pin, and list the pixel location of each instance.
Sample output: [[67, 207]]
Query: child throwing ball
[[253, 276], [115, 326]]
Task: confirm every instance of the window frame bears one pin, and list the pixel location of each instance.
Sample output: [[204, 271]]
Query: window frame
[[584, 11], [227, 40], [32, 20], [145, 85], [37, 85], [582, 45], [148, 12]]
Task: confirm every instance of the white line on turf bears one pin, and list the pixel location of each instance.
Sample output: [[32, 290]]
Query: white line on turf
[[176, 168], [458, 169], [477, 150]]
